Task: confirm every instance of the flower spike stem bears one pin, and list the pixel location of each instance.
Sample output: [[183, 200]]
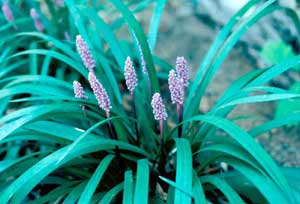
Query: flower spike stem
[[162, 161], [179, 115], [161, 129], [160, 114], [113, 136], [135, 123]]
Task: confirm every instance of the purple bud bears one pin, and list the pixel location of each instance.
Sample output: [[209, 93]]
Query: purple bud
[[37, 22], [85, 53], [33, 13], [175, 88], [143, 63], [99, 92], [130, 75], [7, 12], [159, 110], [67, 36], [182, 71], [78, 90], [59, 3]]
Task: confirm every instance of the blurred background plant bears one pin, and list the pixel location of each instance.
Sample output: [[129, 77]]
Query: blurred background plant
[[57, 148]]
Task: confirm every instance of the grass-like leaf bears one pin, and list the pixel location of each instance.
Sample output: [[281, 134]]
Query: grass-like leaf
[[95, 179], [184, 173], [142, 183]]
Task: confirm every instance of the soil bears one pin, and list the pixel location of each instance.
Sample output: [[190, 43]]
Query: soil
[[184, 34]]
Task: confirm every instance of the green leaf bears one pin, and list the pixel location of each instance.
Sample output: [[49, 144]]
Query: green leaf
[[221, 185], [154, 24], [56, 43], [55, 195], [198, 192], [230, 148], [249, 144], [292, 118], [107, 198], [106, 71], [108, 35], [266, 187], [142, 183], [69, 61], [19, 118], [73, 196], [219, 40], [176, 186], [33, 60], [94, 181], [217, 54], [20, 188], [138, 31], [184, 171], [292, 175], [128, 188], [261, 98], [85, 134]]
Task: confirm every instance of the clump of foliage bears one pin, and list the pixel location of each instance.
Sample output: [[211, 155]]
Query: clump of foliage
[[69, 133]]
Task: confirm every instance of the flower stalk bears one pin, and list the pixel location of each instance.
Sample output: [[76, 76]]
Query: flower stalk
[[183, 81], [104, 103], [131, 83], [177, 91], [160, 114]]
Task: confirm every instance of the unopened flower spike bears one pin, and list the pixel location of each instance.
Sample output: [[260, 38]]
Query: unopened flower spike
[[182, 71], [67, 36], [7, 12], [100, 93], [175, 88], [37, 22], [59, 3], [143, 62], [159, 110], [85, 53], [130, 75], [79, 91]]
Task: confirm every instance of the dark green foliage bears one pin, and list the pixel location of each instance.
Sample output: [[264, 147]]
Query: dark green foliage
[[51, 152]]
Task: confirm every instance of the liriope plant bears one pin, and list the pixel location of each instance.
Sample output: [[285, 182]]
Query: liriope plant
[[72, 133]]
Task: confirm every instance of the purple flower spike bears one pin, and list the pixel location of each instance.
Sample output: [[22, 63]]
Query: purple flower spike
[[175, 88], [7, 12], [85, 53], [99, 92], [37, 22], [78, 90], [159, 110], [130, 75], [182, 71]]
